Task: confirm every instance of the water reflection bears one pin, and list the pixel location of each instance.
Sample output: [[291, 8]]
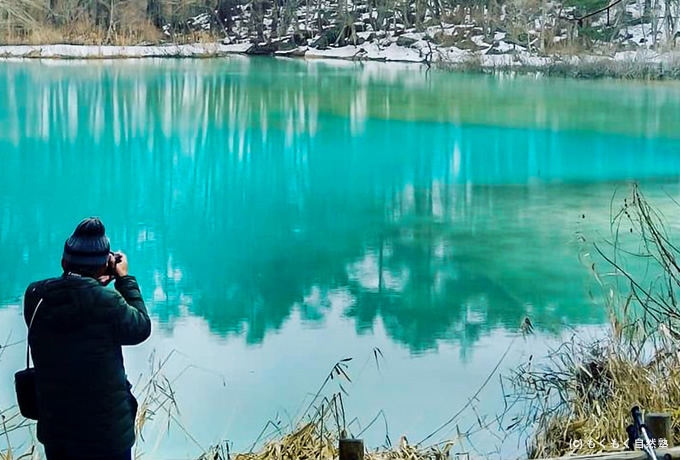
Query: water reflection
[[245, 190]]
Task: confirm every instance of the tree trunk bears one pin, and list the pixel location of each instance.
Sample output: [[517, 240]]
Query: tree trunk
[[676, 24], [106, 13], [109, 30], [668, 22], [54, 12], [154, 13], [274, 33], [258, 19], [405, 5], [544, 16], [655, 22]]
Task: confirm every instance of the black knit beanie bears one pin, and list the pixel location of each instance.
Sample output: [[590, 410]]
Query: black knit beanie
[[88, 246]]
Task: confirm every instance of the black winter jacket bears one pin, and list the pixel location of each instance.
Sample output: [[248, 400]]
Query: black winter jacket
[[84, 399]]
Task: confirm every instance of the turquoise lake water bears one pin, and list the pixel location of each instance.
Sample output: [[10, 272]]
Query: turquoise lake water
[[283, 214]]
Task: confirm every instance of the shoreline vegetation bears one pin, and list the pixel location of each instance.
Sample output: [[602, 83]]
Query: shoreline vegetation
[[576, 38], [585, 389]]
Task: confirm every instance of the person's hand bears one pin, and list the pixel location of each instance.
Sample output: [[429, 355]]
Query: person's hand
[[108, 277], [122, 265]]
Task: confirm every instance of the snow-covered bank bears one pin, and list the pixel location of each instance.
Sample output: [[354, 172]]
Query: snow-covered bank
[[369, 51], [496, 56], [109, 52]]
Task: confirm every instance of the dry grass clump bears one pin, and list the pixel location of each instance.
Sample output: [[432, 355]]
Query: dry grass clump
[[593, 69], [636, 69], [586, 389], [139, 32], [317, 435], [11, 420], [306, 443], [309, 442], [83, 33]]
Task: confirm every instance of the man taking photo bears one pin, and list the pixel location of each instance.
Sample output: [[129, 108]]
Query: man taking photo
[[77, 327]]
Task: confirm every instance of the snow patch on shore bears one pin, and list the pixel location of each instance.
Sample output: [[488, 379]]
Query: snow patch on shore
[[107, 52], [370, 51]]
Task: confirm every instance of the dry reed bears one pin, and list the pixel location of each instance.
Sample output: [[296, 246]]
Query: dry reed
[[585, 389]]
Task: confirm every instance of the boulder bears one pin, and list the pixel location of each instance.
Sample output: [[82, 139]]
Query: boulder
[[286, 45], [301, 37], [326, 39], [320, 42], [262, 49], [298, 51], [405, 41]]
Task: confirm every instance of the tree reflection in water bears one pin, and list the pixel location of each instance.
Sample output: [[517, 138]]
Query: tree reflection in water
[[244, 194]]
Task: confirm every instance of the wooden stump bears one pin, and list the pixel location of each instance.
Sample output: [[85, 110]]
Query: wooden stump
[[351, 449], [659, 426]]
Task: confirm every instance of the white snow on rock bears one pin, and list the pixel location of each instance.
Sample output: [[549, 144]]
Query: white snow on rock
[[299, 51], [401, 54], [479, 41], [504, 47], [236, 48], [345, 52], [413, 35], [370, 51]]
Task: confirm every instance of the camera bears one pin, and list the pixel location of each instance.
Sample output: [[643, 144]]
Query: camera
[[113, 261]]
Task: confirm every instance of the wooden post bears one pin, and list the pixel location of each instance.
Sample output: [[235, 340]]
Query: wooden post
[[659, 425], [351, 449]]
